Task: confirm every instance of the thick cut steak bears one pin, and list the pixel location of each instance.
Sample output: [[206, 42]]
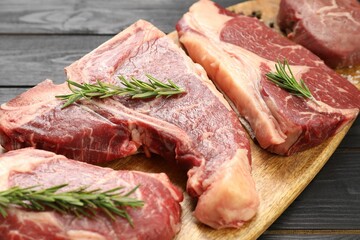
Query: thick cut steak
[[159, 218], [198, 128], [237, 52], [330, 29]]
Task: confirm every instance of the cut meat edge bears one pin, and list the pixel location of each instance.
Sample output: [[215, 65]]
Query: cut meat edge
[[240, 201]]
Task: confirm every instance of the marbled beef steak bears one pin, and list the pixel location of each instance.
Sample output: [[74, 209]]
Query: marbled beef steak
[[330, 29], [159, 218], [197, 128], [237, 51]]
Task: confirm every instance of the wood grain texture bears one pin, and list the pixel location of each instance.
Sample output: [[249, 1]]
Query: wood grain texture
[[311, 236], [7, 94], [89, 17], [318, 208], [26, 61]]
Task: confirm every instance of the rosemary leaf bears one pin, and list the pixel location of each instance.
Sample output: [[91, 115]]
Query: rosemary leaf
[[132, 87], [145, 95], [284, 78], [80, 202]]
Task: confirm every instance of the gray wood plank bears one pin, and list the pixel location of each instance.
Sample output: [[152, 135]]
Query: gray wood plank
[[331, 200], [353, 137], [310, 237], [7, 94], [28, 60], [89, 16]]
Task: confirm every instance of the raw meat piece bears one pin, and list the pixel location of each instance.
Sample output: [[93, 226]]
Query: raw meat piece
[[198, 128], [330, 29], [237, 51], [159, 218]]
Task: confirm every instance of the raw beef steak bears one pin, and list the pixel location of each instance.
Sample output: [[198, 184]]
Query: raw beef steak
[[237, 52], [197, 128], [330, 29], [159, 218]]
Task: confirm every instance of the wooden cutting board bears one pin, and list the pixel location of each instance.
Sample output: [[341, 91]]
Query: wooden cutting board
[[279, 180]]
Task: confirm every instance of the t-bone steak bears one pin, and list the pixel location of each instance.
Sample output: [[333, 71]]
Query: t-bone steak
[[237, 51], [159, 218], [330, 29], [197, 128]]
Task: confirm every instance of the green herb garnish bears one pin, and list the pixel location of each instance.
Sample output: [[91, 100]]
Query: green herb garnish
[[80, 202], [132, 87], [284, 78]]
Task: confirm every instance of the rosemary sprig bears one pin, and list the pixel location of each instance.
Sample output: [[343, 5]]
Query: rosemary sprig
[[284, 78], [80, 202], [132, 87]]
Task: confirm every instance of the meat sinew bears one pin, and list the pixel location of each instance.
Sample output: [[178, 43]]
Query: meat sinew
[[237, 51], [197, 128], [330, 29], [159, 218]]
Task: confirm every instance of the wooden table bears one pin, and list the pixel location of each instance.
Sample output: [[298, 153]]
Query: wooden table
[[39, 38]]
